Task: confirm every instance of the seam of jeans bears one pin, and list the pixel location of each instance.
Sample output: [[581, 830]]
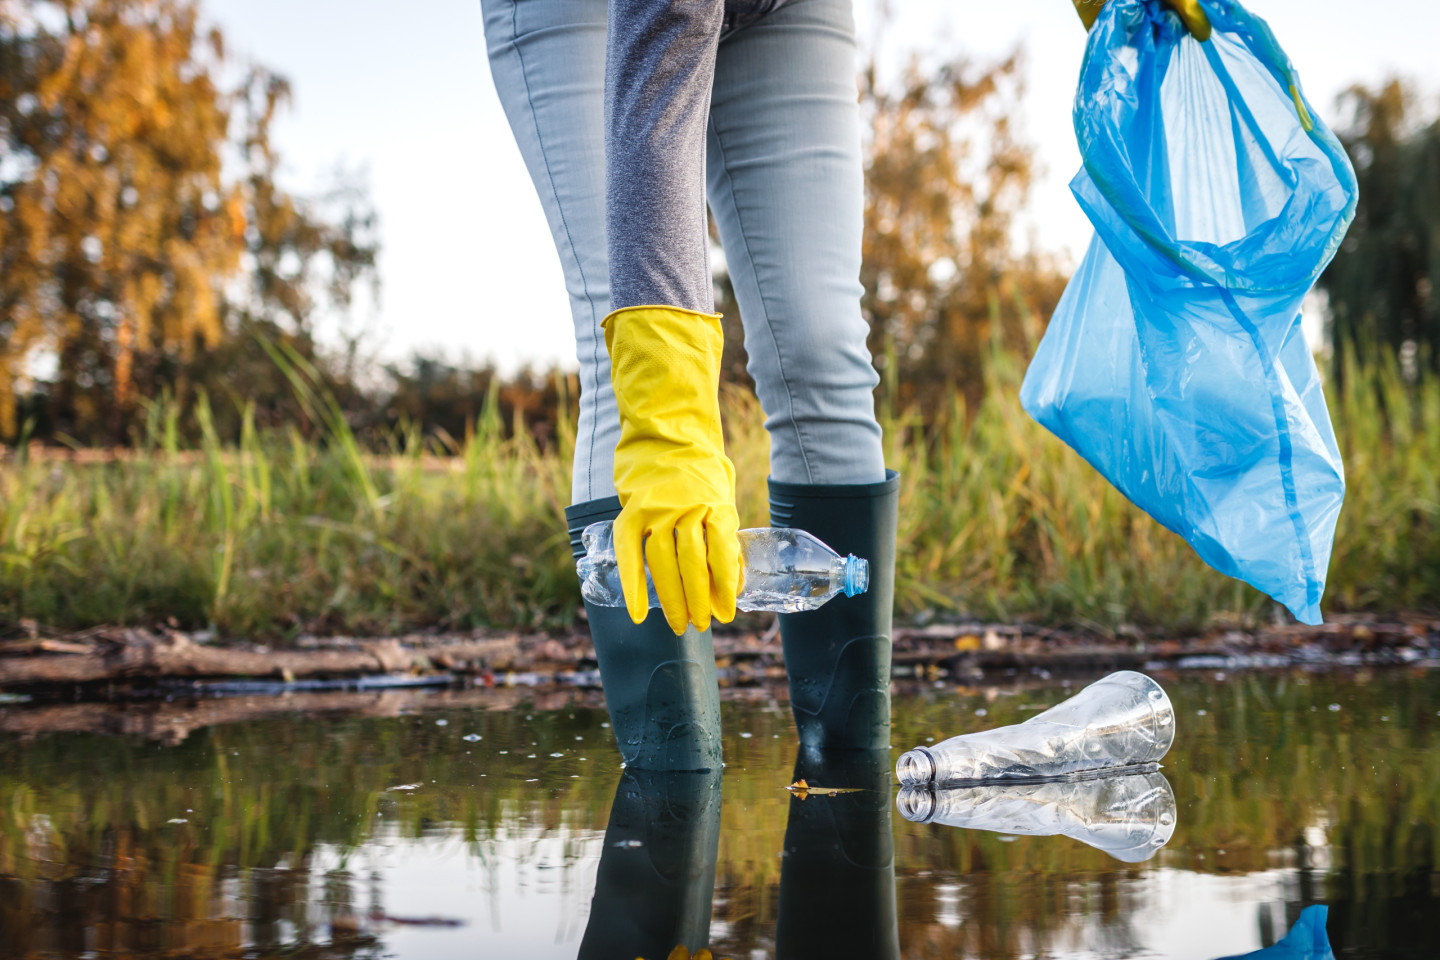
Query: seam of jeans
[[769, 327], [570, 241]]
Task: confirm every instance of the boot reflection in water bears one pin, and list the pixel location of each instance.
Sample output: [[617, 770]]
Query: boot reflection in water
[[837, 879], [657, 872], [1307, 940]]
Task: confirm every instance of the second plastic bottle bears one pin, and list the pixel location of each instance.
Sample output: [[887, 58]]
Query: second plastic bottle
[[1119, 721]]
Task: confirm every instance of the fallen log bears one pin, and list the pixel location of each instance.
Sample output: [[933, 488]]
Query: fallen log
[[114, 655], [140, 655]]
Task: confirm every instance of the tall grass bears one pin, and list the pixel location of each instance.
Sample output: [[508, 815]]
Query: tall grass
[[277, 534]]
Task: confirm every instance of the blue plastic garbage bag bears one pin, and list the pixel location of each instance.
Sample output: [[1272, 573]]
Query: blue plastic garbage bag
[[1175, 362], [1307, 940]]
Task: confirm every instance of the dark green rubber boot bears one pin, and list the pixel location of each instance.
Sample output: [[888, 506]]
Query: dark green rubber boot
[[660, 689], [837, 881], [838, 657], [656, 879]]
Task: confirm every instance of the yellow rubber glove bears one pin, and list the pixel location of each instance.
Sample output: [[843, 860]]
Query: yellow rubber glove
[[676, 486], [1189, 10]]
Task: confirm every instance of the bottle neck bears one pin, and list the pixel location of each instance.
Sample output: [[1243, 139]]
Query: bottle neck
[[856, 575], [915, 767]]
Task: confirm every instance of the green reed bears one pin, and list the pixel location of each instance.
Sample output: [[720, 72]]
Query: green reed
[[282, 533]]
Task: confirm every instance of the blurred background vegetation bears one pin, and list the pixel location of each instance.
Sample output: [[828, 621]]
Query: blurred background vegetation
[[184, 445]]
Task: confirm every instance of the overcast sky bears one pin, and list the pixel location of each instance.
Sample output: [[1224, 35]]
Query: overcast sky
[[404, 90]]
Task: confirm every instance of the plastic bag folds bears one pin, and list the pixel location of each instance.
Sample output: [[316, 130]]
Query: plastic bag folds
[[1175, 362]]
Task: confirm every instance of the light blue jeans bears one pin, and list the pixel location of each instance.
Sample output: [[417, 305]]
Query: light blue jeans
[[784, 183]]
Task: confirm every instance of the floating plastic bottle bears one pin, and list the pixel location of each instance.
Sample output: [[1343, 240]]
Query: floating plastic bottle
[[1121, 720], [785, 570], [1130, 816]]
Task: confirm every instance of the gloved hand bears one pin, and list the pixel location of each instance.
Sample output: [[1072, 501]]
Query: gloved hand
[[676, 486], [1189, 10]]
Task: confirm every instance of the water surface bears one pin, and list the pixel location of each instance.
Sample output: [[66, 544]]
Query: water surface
[[479, 825]]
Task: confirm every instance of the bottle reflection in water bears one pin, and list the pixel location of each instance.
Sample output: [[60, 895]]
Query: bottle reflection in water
[[1129, 817], [1121, 720], [785, 570]]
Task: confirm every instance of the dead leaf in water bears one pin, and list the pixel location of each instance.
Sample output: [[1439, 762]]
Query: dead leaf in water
[[681, 952], [801, 790]]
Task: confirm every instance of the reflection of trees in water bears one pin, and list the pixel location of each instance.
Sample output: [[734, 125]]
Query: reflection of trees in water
[[88, 861], [995, 912], [86, 850], [119, 902]]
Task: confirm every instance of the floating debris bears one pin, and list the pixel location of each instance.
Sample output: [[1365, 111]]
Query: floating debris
[[248, 688], [801, 790], [1119, 720], [404, 786], [472, 737], [425, 921]]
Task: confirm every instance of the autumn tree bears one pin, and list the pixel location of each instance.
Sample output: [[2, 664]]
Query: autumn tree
[[125, 249], [946, 177]]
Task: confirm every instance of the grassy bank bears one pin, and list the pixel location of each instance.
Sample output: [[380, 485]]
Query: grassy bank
[[277, 535]]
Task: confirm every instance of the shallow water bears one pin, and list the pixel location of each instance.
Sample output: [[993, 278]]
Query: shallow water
[[460, 831]]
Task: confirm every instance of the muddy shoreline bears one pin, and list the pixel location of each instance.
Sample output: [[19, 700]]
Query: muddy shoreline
[[128, 664]]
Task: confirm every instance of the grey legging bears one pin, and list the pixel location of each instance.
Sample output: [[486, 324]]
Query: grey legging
[[783, 172]]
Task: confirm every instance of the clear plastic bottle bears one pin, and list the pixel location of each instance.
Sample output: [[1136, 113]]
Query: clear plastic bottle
[[1120, 720], [785, 570], [1128, 816]]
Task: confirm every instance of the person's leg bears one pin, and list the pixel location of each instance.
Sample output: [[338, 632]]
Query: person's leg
[[785, 184], [786, 187], [547, 58], [548, 61], [661, 690]]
